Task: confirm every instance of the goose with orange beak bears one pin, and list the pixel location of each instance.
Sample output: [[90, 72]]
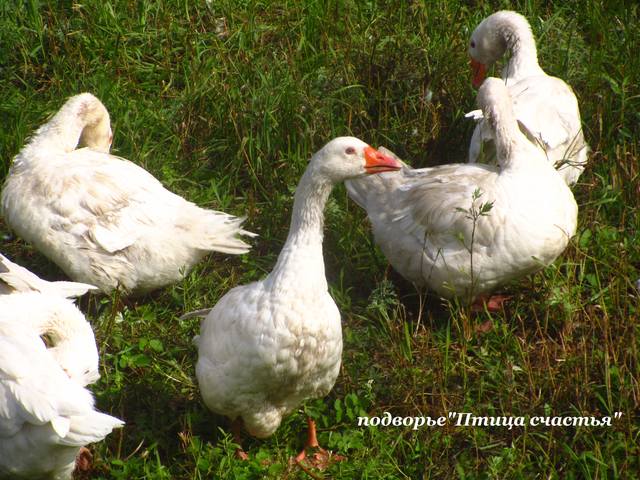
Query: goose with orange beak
[[268, 346], [545, 106]]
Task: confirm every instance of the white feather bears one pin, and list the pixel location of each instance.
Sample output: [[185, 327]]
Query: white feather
[[41, 409], [17, 278]]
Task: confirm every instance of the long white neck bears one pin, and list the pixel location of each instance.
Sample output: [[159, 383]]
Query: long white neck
[[507, 135], [519, 40], [300, 262], [82, 118]]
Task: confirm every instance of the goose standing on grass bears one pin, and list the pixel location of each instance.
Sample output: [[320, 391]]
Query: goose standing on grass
[[46, 414], [545, 106], [268, 346], [423, 219], [100, 218]]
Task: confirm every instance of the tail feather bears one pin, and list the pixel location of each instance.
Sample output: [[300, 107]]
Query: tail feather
[[22, 280], [220, 232], [203, 312], [90, 428], [69, 289]]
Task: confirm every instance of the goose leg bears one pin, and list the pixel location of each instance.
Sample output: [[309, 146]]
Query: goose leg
[[312, 441], [321, 458], [84, 460], [236, 430], [494, 303]]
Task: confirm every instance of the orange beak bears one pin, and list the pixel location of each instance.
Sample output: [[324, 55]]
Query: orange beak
[[479, 73], [378, 162]]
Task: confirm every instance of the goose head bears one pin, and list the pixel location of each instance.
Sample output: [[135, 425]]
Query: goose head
[[496, 34], [94, 117], [344, 158], [72, 342]]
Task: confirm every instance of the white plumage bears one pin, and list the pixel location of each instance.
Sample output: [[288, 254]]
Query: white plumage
[[44, 307], [18, 279], [545, 106], [267, 346], [46, 415], [420, 217], [102, 219]]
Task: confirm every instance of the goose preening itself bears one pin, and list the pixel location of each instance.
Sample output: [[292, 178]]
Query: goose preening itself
[[545, 106], [268, 346], [46, 414], [27, 301], [423, 220], [102, 219]]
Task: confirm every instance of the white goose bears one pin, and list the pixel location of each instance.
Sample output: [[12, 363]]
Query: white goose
[[545, 106], [420, 217], [267, 346], [46, 416], [100, 218]]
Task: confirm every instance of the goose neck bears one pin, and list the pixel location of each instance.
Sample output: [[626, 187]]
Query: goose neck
[[506, 133], [81, 116], [302, 250], [307, 217], [524, 54]]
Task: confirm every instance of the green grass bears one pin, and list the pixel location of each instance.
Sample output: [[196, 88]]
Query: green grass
[[225, 102]]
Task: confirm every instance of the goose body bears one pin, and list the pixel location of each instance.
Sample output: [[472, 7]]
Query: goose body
[[46, 414], [102, 219], [422, 219], [545, 106], [267, 346]]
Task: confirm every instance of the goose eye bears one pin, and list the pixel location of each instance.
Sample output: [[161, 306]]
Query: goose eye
[[350, 151], [473, 44], [48, 341]]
